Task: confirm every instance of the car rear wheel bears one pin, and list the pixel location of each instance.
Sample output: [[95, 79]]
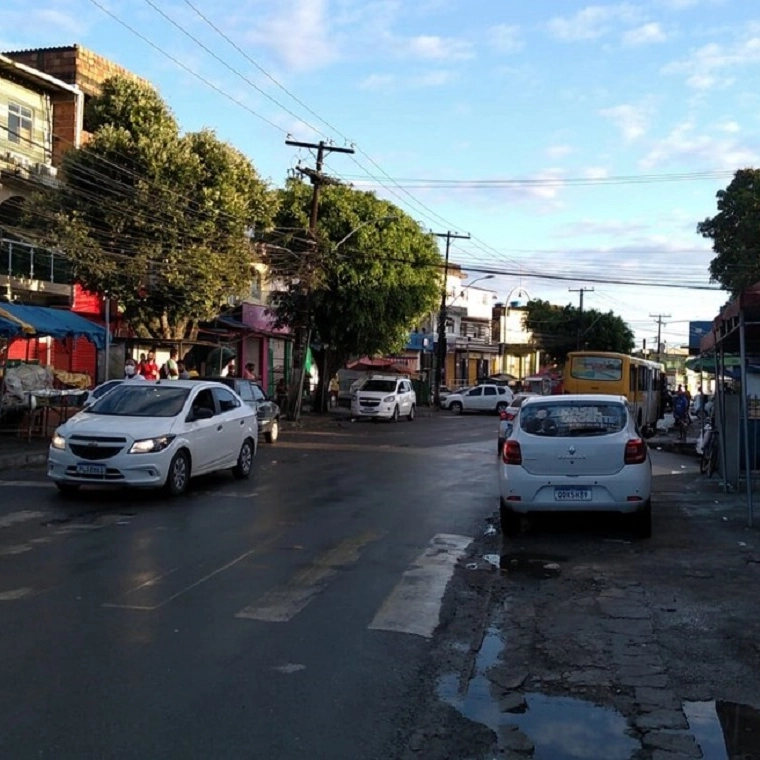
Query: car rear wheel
[[456, 407], [510, 521], [501, 407], [273, 433], [245, 460], [179, 474], [642, 521], [67, 489], [412, 412]]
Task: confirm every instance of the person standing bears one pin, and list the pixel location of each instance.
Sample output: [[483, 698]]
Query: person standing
[[150, 368], [131, 370], [171, 366], [249, 371], [334, 389]]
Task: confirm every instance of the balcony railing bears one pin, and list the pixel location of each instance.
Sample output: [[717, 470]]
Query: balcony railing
[[28, 262]]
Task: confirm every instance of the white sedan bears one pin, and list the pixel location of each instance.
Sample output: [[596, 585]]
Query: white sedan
[[155, 434], [480, 398], [575, 453]]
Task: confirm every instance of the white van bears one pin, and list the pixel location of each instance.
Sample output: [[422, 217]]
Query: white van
[[384, 397]]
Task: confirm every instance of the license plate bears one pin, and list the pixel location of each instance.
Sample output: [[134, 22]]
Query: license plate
[[572, 494], [99, 470], [369, 410]]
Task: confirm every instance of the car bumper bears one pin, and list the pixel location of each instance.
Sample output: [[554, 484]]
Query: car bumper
[[384, 411], [626, 491], [137, 470]]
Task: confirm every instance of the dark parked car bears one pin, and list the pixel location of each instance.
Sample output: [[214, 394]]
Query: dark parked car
[[267, 412]]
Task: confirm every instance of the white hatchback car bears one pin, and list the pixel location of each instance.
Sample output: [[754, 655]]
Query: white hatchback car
[[480, 398], [575, 453], [155, 434], [385, 398]]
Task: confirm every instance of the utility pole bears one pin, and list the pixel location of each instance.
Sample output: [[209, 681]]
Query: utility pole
[[441, 352], [317, 179], [581, 291], [659, 319]]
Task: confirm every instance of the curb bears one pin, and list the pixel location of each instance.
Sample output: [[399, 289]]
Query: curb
[[27, 459]]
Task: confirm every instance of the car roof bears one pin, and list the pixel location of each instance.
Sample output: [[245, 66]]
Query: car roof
[[605, 398]]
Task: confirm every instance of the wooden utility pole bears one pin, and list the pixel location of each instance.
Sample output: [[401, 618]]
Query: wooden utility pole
[[441, 347], [303, 332], [580, 310]]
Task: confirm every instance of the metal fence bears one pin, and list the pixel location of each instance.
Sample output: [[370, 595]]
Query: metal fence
[[25, 261]]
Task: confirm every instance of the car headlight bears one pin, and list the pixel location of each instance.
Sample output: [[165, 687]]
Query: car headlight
[[58, 441], [389, 399], [149, 445]]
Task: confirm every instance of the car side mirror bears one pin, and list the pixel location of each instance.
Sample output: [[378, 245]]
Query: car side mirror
[[200, 413]]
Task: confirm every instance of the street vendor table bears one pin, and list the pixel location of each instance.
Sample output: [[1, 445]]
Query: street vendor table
[[42, 403]]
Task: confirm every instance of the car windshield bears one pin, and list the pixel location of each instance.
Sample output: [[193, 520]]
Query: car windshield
[[382, 386], [573, 418], [141, 400]]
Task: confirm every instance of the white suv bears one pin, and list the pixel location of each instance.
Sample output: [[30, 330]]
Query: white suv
[[384, 397]]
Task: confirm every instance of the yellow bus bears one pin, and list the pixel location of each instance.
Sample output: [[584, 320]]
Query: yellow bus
[[639, 380]]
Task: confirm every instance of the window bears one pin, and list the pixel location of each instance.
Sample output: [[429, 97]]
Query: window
[[226, 399], [134, 399], [489, 390], [204, 400], [245, 392], [20, 121], [258, 394], [475, 392]]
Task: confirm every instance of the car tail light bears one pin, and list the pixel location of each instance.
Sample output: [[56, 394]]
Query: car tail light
[[503, 416], [635, 451], [512, 453]]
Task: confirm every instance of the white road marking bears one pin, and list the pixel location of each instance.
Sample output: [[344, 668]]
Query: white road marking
[[16, 593], [414, 605], [150, 607], [24, 515], [12, 551], [291, 667], [284, 602]]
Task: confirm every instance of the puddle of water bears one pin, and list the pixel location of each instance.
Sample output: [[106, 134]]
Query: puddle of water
[[561, 728], [724, 730]]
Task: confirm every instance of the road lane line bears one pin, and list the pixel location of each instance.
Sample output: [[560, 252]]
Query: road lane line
[[24, 515], [414, 605], [265, 544], [284, 602], [16, 593]]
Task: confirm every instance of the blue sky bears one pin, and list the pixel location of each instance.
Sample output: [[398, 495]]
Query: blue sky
[[569, 139]]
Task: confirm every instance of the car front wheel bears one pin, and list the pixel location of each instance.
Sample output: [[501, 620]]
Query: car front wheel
[[394, 416], [273, 433], [245, 460], [179, 474], [456, 407]]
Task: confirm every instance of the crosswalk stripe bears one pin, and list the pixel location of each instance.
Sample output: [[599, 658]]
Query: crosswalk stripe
[[414, 605], [23, 515], [284, 602]]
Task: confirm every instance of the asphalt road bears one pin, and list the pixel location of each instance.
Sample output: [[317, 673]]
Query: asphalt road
[[282, 617]]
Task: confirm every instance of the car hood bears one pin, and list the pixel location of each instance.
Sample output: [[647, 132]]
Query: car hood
[[108, 424]]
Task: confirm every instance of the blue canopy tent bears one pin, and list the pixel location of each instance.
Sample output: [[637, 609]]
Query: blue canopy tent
[[55, 323]]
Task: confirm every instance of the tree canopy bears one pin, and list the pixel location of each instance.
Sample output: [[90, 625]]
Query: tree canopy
[[557, 330], [158, 220], [370, 274], [735, 232]]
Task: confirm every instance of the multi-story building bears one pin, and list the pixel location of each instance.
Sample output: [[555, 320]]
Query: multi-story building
[[518, 355]]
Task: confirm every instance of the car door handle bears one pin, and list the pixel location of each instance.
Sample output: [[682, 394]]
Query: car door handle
[[219, 427]]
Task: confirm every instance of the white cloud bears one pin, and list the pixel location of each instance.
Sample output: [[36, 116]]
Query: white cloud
[[730, 127], [390, 82], [644, 35], [706, 67], [558, 151], [631, 119], [378, 82], [505, 38], [432, 79], [691, 146], [299, 33], [434, 48], [592, 22]]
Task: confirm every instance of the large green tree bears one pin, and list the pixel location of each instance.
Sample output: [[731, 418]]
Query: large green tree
[[735, 232], [363, 282], [558, 330], [158, 220]]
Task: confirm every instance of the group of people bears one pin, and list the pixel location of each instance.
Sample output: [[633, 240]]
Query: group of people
[[146, 368]]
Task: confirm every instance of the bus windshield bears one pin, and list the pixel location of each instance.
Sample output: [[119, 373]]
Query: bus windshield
[[596, 368]]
